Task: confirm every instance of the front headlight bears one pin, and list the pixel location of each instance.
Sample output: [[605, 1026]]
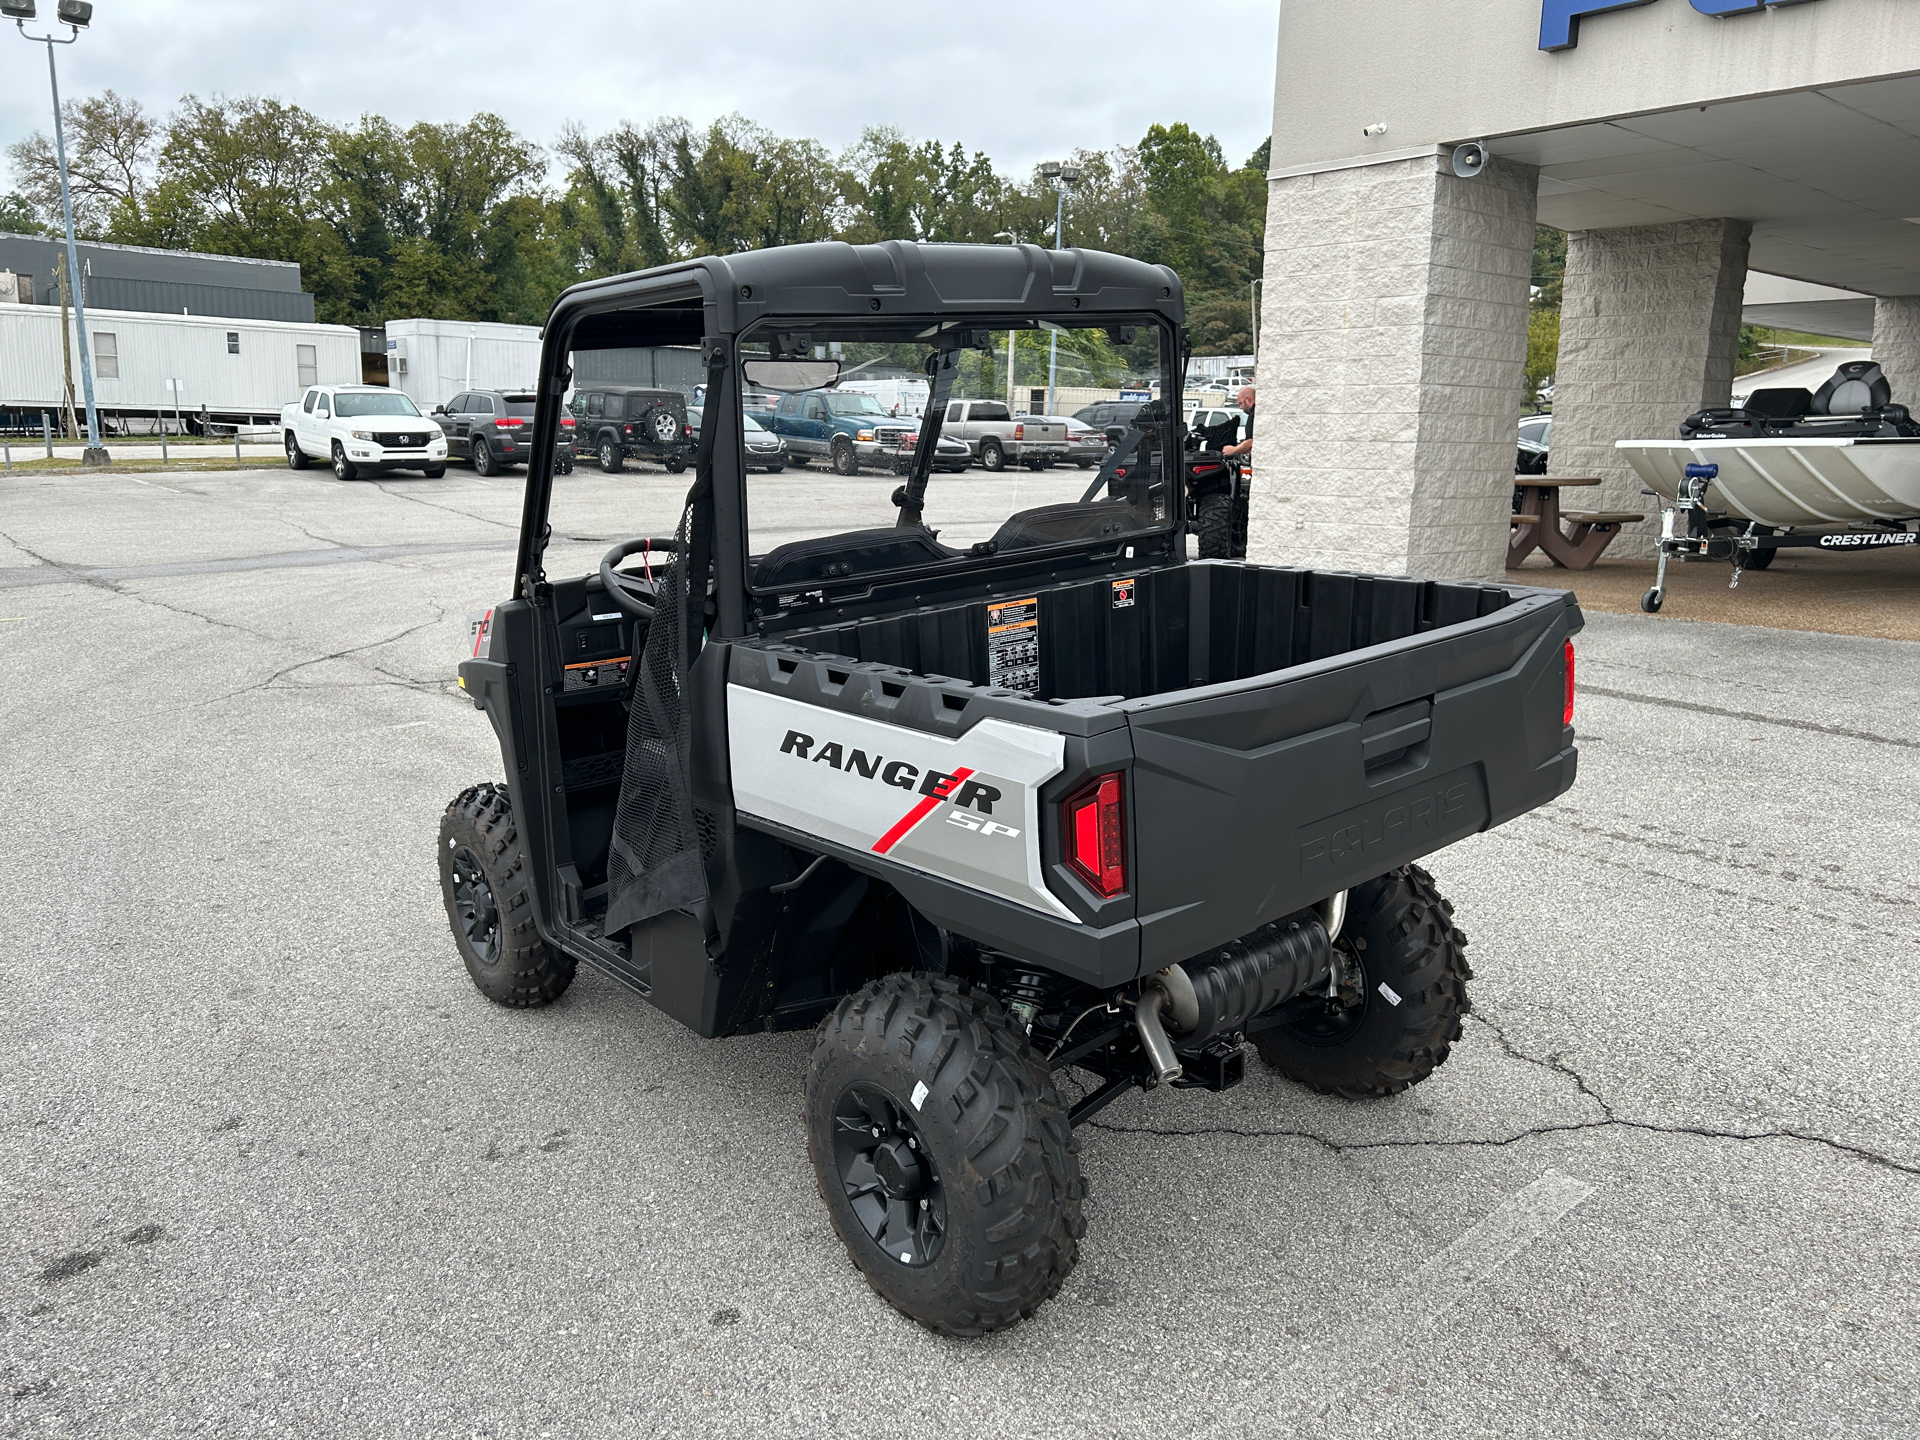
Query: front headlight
[[363, 434], [864, 435]]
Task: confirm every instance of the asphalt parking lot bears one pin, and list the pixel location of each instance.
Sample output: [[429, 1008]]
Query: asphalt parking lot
[[268, 1164]]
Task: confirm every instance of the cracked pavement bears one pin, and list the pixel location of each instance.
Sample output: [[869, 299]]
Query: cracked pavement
[[268, 1163]]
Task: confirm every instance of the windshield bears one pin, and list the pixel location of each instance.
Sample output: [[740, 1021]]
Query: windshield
[[364, 402], [994, 488]]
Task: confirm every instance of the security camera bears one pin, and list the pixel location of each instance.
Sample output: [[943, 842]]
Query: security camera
[[1469, 159]]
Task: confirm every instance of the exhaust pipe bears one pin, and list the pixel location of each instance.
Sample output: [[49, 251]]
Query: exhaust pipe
[[1153, 1035], [1207, 998]]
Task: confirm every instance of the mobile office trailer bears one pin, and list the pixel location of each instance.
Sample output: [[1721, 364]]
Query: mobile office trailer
[[235, 368], [901, 396], [432, 361]]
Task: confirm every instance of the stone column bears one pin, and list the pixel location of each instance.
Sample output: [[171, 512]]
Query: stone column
[[1393, 344], [1649, 332], [1896, 345]]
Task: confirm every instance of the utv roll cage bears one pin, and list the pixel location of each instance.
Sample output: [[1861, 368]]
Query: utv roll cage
[[721, 303]]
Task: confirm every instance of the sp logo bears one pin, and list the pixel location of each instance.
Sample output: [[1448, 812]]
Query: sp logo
[[978, 825]]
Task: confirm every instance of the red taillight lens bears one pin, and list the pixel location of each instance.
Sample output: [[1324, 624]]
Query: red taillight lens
[[1567, 718], [566, 422], [509, 424], [1019, 432], [1096, 835]]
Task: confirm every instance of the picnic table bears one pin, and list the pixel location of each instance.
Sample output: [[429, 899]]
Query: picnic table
[[1536, 525]]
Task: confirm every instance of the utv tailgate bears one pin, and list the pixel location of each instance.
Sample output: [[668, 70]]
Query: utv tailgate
[[1255, 798]]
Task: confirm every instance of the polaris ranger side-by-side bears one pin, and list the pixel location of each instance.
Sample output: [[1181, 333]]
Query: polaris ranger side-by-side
[[978, 774]]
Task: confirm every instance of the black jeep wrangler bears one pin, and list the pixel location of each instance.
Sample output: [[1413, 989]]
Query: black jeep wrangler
[[619, 423], [1020, 810]]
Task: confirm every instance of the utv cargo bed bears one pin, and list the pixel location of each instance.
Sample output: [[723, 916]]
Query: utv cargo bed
[[1286, 733]]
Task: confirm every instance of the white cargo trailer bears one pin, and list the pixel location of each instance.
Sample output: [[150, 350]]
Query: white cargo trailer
[[434, 360], [235, 368]]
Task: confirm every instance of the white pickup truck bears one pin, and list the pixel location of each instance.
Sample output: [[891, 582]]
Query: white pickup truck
[[361, 430], [997, 439]]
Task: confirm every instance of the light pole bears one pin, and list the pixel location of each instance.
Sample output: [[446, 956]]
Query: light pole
[[1061, 175], [1012, 237], [75, 15]]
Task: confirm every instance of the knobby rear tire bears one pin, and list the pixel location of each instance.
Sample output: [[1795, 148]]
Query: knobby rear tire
[[992, 1126], [1401, 931]]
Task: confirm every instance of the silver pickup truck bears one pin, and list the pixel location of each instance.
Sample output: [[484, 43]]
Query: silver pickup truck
[[997, 439]]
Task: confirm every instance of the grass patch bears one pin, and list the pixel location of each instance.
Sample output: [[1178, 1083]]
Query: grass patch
[[1800, 339], [60, 463]]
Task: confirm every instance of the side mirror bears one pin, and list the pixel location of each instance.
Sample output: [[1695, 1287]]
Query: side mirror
[[439, 409]]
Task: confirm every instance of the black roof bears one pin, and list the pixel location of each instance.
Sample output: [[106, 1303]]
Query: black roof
[[137, 277], [833, 278]]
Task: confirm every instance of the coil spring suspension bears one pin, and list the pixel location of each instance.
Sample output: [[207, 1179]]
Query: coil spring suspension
[[1028, 994]]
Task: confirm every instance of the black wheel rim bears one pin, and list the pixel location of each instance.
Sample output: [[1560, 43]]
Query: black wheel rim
[[890, 1180], [473, 905], [1313, 1019]]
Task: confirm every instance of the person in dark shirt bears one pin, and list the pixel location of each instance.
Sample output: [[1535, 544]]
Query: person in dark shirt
[[1244, 447]]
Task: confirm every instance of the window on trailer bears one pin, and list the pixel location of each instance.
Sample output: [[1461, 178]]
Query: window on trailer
[[233, 342], [106, 355], [306, 357]]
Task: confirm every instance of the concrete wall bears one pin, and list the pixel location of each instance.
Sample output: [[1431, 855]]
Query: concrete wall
[[1392, 346], [1649, 332], [1896, 345], [1473, 69]]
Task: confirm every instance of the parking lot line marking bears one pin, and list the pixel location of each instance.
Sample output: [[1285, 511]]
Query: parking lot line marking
[[1515, 1224], [1382, 1330]]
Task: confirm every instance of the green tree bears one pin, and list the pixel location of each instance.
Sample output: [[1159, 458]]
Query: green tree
[[1549, 266], [110, 155], [1543, 351], [17, 216], [1207, 222]]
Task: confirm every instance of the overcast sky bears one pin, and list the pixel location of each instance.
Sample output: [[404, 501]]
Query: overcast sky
[[1024, 83]]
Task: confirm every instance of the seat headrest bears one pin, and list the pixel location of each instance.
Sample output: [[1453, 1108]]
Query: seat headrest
[[1857, 385]]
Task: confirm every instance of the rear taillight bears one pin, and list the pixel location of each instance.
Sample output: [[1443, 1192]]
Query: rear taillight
[[1019, 432], [509, 424], [566, 422], [1567, 718], [1096, 836]]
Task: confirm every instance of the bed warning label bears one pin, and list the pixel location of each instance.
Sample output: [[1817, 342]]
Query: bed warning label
[[1123, 594], [1013, 644]]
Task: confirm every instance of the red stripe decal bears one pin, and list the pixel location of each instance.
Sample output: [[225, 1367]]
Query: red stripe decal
[[919, 812], [481, 634]]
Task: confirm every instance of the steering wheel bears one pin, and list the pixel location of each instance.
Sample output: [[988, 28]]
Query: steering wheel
[[632, 595]]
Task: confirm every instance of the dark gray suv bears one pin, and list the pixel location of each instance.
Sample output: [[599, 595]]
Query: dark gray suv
[[492, 428]]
